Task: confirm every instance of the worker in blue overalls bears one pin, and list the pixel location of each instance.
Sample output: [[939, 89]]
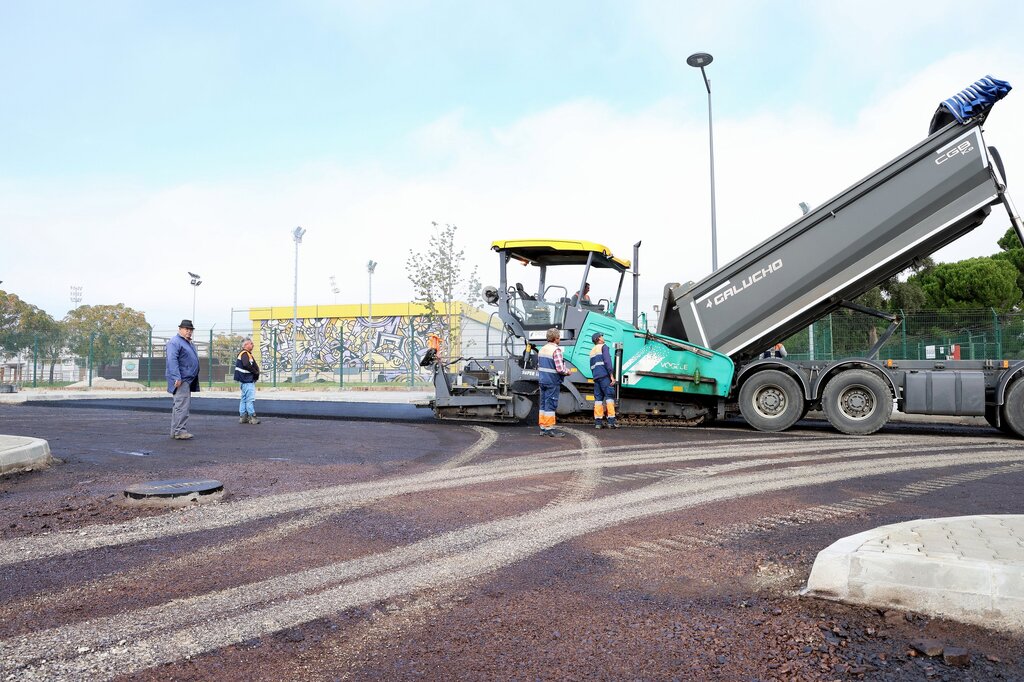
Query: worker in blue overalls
[[601, 369], [552, 367]]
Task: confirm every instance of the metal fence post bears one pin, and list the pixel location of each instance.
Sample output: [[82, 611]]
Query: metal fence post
[[999, 335], [273, 350], [903, 332], [149, 361], [35, 356], [92, 336], [412, 352], [209, 383], [341, 354]]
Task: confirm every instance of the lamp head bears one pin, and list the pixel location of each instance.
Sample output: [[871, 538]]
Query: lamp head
[[699, 59], [297, 234], [371, 266]]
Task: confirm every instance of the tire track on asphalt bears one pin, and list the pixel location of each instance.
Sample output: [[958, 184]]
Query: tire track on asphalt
[[488, 437], [584, 480], [192, 626], [295, 525], [799, 517], [205, 518], [163, 567]]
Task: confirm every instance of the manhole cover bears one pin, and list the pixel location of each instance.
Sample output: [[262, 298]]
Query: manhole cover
[[182, 489]]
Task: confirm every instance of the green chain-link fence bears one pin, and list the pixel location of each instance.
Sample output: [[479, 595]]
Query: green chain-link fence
[[341, 355], [922, 335]]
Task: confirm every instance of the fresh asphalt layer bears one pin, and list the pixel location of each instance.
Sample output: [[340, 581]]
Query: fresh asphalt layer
[[308, 409], [733, 462]]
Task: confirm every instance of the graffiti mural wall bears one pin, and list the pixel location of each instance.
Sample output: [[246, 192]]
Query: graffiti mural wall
[[385, 347]]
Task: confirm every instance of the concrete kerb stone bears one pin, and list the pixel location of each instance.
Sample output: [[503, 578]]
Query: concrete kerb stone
[[21, 453], [965, 568], [354, 395]]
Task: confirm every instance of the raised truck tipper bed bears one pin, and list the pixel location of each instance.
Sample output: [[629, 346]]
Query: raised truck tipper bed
[[930, 195]]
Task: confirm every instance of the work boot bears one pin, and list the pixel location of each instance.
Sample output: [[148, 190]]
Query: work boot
[[253, 419], [243, 419], [183, 435], [598, 425], [556, 434], [612, 425]]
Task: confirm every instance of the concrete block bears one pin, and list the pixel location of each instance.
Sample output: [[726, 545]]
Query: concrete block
[[18, 453], [959, 578]]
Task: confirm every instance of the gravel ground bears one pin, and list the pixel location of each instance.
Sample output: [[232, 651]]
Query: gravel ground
[[353, 550]]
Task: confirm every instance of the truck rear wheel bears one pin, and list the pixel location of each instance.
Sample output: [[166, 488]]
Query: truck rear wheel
[[857, 402], [1013, 408], [771, 401]]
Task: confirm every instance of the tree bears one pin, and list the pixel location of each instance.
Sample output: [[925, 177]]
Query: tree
[[47, 336], [1011, 251], [226, 348], [986, 282], [900, 292], [114, 330], [437, 279], [13, 312], [25, 328]]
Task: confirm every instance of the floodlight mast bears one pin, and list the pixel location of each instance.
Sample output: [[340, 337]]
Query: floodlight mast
[[196, 281], [297, 234], [370, 267]]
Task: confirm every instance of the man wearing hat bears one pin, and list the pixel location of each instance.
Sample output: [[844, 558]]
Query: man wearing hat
[[601, 369], [182, 377]]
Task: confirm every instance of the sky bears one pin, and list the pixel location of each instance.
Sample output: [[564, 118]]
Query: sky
[[142, 140]]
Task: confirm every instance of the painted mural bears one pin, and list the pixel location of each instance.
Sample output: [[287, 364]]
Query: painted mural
[[387, 348]]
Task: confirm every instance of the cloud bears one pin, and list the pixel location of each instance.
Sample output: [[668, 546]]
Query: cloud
[[580, 169]]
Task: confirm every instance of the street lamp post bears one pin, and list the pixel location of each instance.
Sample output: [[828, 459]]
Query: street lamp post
[[196, 281], [370, 267], [297, 236], [700, 60]]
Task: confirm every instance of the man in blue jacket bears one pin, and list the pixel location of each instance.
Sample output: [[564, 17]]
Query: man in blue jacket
[[182, 377]]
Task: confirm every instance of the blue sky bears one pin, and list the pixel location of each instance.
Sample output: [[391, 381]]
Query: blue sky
[[180, 128]]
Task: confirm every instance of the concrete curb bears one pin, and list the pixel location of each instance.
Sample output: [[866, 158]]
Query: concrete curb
[[353, 396], [20, 453], [965, 568]]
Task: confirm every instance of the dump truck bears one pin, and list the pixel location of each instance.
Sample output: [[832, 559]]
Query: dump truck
[[704, 361]]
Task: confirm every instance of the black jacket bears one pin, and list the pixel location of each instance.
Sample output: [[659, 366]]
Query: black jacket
[[246, 369]]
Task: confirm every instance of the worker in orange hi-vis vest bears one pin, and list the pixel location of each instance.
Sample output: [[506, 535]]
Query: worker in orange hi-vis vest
[[601, 369], [551, 366]]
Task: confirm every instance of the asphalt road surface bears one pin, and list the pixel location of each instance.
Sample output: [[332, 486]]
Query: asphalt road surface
[[420, 550]]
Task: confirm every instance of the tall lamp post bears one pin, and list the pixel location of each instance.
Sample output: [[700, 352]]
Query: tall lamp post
[[297, 236], [334, 288], [700, 60], [370, 267], [196, 281]]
